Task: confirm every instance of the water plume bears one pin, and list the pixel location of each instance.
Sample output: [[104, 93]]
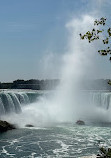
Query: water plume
[[78, 66]]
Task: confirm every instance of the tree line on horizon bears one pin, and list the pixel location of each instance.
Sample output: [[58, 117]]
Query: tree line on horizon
[[51, 84], [33, 84]]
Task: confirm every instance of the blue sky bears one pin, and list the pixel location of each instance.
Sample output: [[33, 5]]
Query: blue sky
[[33, 31]]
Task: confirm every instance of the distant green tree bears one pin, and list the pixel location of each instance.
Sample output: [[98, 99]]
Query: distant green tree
[[97, 33]]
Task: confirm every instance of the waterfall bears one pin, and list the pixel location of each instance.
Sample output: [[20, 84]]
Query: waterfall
[[101, 99], [2, 109], [16, 102], [7, 102], [12, 102], [23, 98]]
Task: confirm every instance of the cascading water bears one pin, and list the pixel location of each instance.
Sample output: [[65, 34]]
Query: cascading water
[[97, 106], [12, 102]]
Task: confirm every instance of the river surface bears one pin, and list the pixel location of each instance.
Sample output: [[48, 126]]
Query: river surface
[[51, 136], [59, 141]]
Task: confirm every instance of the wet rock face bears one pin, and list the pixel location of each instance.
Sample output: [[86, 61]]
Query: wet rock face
[[29, 125], [80, 122], [5, 126]]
